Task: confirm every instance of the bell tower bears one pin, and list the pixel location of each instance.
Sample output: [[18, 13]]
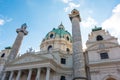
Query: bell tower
[[78, 58]]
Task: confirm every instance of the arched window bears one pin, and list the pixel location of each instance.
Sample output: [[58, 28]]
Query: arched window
[[99, 38], [67, 50], [49, 47], [2, 55], [62, 78], [67, 38]]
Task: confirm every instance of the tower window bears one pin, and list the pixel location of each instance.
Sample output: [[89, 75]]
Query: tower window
[[67, 38], [104, 55], [2, 55], [49, 47], [67, 50], [63, 61], [62, 78], [99, 38], [51, 35]]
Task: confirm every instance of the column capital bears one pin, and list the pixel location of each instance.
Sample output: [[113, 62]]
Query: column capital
[[23, 29], [48, 68], [74, 14], [30, 69]]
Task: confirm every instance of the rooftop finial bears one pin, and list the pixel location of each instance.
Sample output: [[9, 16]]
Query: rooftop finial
[[61, 26], [61, 23]]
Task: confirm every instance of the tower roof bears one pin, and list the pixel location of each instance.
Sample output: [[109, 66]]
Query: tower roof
[[96, 28]]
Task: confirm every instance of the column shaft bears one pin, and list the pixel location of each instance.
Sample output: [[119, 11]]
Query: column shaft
[[29, 74], [38, 74], [11, 75], [3, 77], [78, 58], [18, 75], [48, 73]]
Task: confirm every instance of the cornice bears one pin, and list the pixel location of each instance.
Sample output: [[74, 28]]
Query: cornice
[[45, 63], [104, 63]]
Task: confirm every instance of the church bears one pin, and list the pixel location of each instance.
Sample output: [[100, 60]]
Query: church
[[61, 56]]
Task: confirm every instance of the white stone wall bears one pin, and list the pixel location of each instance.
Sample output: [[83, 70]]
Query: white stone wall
[[101, 69], [103, 72], [6, 51], [113, 53], [3, 59]]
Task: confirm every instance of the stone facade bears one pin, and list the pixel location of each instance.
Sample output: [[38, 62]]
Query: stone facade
[[62, 58], [103, 56]]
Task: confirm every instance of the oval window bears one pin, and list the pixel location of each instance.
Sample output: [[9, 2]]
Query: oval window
[[51, 35]]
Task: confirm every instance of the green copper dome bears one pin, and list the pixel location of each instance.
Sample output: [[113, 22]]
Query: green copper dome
[[60, 32]]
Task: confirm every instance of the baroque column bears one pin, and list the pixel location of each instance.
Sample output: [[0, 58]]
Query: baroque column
[[78, 58], [16, 46], [4, 74], [38, 74], [48, 73], [11, 75], [29, 74], [18, 75]]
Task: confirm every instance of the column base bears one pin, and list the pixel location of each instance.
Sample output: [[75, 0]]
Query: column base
[[80, 78]]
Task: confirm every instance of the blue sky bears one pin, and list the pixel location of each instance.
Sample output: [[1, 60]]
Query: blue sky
[[42, 16]]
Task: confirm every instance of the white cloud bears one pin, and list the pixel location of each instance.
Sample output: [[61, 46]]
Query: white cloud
[[66, 1], [71, 6], [113, 22], [89, 22], [2, 22]]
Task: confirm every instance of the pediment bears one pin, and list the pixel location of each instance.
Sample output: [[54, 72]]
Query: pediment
[[27, 58]]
